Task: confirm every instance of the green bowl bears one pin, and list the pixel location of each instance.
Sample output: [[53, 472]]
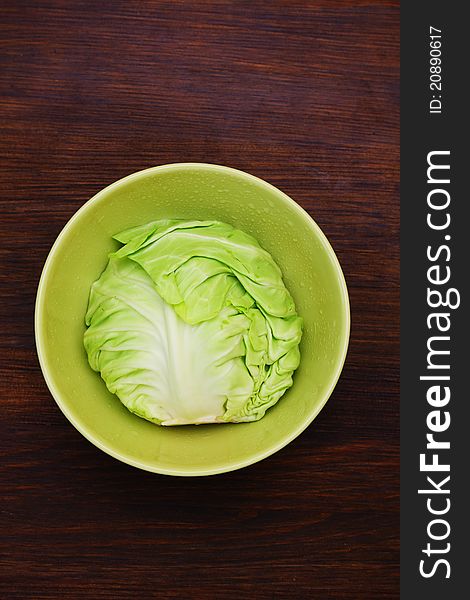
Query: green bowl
[[190, 191]]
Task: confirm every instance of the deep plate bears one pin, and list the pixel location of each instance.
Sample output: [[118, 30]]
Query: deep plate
[[191, 191]]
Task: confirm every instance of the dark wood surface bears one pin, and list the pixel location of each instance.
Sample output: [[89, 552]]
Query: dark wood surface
[[303, 94]]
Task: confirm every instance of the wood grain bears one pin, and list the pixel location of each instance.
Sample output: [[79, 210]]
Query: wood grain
[[303, 94]]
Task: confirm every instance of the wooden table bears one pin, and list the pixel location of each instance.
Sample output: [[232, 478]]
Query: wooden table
[[303, 94]]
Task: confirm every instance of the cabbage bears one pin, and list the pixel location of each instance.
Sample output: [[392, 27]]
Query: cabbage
[[191, 323]]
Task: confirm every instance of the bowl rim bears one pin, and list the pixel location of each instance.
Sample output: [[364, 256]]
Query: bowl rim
[[40, 303]]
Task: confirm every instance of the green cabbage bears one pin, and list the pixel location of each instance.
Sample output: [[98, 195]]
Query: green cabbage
[[191, 323]]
